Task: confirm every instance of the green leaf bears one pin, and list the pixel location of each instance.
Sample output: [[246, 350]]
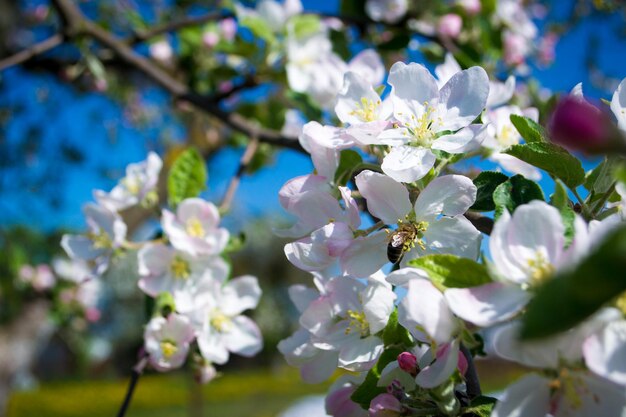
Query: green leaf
[[552, 159], [451, 271], [305, 25], [95, 66], [560, 200], [259, 28], [187, 177], [395, 334], [480, 406], [235, 243], [366, 392], [530, 130], [514, 192], [572, 296], [164, 304], [348, 160], [486, 183]]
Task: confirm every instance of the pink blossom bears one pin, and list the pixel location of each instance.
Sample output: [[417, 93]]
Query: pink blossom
[[385, 405], [450, 26]]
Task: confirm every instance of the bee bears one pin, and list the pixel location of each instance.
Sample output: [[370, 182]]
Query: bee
[[404, 238]]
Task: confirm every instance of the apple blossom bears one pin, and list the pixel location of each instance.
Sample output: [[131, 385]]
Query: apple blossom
[[437, 214], [167, 341], [194, 228], [220, 326], [40, 277], [604, 352], [138, 186], [389, 11], [450, 25], [275, 14], [348, 318], [430, 118], [338, 401], [618, 105], [385, 405], [165, 269], [107, 232]]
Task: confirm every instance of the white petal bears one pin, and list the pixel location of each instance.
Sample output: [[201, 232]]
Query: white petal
[[413, 82], [500, 92], [308, 256], [320, 368], [408, 163], [467, 139], [368, 65], [530, 396], [244, 338], [618, 105], [487, 304], [453, 235], [386, 199], [302, 296], [605, 352], [240, 294], [450, 195], [463, 98], [377, 305], [362, 354], [442, 368], [516, 166], [425, 306], [403, 276], [365, 255], [212, 347], [80, 247]]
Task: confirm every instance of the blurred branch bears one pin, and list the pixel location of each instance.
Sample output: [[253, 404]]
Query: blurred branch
[[31, 52], [134, 377], [245, 160], [480, 222], [144, 35], [76, 24]]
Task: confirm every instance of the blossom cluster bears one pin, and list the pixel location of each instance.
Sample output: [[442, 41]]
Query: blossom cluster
[[197, 307], [405, 300]]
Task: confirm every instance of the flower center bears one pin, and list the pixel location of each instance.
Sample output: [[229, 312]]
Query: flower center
[[507, 136], [169, 348], [194, 228], [366, 110], [220, 321], [539, 269], [358, 322], [132, 185], [100, 240], [568, 387], [421, 128], [180, 268]]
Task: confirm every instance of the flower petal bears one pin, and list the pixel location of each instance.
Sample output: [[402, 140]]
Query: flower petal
[[408, 163], [463, 98], [386, 199], [450, 195]]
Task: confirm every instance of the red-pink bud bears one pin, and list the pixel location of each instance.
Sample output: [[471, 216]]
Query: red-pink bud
[[579, 125], [462, 363], [450, 25], [408, 363]]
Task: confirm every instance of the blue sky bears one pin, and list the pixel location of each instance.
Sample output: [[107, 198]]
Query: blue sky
[[95, 123]]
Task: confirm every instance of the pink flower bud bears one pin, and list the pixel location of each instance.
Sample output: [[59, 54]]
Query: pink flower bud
[[228, 27], [577, 124], [210, 39], [462, 363], [338, 402], [450, 25], [471, 7], [92, 314], [515, 48], [408, 363], [385, 405]]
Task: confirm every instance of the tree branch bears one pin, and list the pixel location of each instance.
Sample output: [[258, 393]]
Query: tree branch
[[142, 36], [482, 223], [134, 377], [244, 162], [79, 25], [32, 51]]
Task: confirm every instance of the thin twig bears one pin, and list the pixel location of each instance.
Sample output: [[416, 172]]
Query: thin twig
[[134, 377], [471, 376], [244, 162], [144, 35], [32, 51], [480, 222]]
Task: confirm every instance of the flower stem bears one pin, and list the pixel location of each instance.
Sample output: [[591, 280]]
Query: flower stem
[[134, 377], [586, 211]]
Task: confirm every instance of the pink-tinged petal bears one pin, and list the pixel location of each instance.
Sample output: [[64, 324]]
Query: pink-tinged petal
[[365, 255], [244, 338], [450, 195], [596, 397], [463, 98], [320, 368], [442, 368], [335, 237], [605, 352], [362, 354], [297, 348], [467, 139], [385, 405], [339, 403], [352, 208], [318, 317], [425, 306], [240, 294], [307, 255], [408, 163], [452, 235], [487, 304], [529, 396], [298, 186], [204, 211], [413, 82], [386, 199], [154, 259], [368, 133], [403, 276], [397, 136]]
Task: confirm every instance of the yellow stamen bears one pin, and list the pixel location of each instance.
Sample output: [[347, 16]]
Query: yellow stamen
[[194, 227], [366, 110], [168, 348], [180, 268], [539, 269], [358, 322], [220, 322]]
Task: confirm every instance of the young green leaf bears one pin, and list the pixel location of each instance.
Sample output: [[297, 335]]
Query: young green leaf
[[187, 177], [560, 200], [348, 160], [530, 130], [451, 271], [394, 333], [514, 192], [576, 294], [259, 27], [486, 183], [552, 159], [366, 392]]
